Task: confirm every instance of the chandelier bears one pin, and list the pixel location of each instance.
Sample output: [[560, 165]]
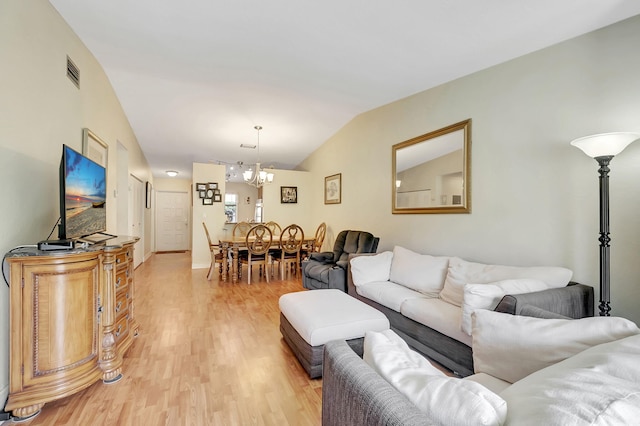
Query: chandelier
[[261, 176]]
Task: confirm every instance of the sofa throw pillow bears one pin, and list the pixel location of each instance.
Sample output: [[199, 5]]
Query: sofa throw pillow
[[461, 272], [368, 269], [510, 347], [419, 272], [487, 296], [598, 386], [447, 400]]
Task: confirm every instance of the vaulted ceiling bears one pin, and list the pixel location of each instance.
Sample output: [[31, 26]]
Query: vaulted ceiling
[[195, 77]]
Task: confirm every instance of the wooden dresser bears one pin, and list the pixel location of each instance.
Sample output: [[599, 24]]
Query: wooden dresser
[[71, 316]]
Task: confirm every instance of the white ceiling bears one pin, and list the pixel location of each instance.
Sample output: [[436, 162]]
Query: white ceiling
[[195, 77]]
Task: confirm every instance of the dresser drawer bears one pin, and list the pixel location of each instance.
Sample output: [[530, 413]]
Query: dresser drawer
[[122, 280], [122, 306], [122, 328]]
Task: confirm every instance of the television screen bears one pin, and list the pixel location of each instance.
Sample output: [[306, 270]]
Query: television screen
[[83, 196]]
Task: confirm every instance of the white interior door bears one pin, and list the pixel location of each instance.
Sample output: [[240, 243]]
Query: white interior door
[[136, 217], [172, 221]]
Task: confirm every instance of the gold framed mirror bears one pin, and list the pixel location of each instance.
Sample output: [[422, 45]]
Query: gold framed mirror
[[431, 173]]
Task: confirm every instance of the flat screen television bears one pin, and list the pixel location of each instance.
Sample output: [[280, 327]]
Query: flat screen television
[[83, 196]]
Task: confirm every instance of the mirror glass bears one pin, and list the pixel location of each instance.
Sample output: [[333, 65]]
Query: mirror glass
[[431, 172]]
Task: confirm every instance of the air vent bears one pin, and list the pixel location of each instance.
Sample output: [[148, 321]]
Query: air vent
[[73, 72], [246, 145]]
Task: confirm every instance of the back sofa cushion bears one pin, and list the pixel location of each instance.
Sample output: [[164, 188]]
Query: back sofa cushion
[[367, 269], [461, 272], [348, 242], [598, 386], [487, 296], [419, 272], [510, 347]]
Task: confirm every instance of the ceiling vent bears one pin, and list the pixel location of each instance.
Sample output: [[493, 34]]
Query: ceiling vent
[[246, 145], [73, 72]]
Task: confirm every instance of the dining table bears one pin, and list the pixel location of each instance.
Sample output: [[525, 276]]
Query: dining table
[[231, 246]]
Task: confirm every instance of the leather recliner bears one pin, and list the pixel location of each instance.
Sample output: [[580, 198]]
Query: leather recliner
[[329, 269]]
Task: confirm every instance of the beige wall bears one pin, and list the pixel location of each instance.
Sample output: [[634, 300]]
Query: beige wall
[[535, 197], [213, 215], [40, 110]]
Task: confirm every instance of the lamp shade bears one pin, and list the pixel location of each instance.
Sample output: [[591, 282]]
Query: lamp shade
[[605, 144]]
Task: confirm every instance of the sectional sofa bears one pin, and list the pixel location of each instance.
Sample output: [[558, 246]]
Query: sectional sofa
[[529, 371], [429, 299]]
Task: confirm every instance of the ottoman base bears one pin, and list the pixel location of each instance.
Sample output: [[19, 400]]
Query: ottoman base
[[310, 357]]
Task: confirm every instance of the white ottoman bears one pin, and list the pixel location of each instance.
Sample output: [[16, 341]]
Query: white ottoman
[[309, 319]]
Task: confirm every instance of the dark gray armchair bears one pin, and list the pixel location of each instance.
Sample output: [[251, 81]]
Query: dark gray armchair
[[329, 269]]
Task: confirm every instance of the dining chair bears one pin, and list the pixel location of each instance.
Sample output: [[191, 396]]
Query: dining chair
[[241, 229], [216, 254], [316, 244], [291, 240], [258, 241], [274, 227]]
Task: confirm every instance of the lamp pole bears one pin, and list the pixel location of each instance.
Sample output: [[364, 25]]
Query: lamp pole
[[605, 262], [603, 148]]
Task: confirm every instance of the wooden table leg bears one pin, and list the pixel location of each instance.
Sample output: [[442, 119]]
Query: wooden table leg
[[225, 263], [234, 263]]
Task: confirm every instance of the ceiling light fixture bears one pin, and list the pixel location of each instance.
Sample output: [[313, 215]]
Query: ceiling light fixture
[[261, 176], [172, 173]]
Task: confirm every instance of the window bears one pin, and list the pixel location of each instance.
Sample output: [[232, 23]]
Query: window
[[231, 207]]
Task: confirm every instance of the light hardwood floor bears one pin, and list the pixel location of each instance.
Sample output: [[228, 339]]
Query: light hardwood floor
[[208, 353]]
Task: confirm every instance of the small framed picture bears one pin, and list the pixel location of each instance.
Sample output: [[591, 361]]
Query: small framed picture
[[207, 201], [217, 198], [201, 186], [209, 193], [213, 185], [333, 189], [288, 194], [216, 191], [202, 193]]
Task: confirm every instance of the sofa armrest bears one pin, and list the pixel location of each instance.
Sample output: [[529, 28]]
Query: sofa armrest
[[342, 264], [354, 394], [324, 257], [573, 301]]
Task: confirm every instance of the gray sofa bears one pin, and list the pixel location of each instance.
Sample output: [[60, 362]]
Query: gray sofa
[[329, 269], [572, 301]]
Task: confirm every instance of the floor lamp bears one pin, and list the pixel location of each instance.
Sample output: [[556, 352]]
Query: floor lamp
[[603, 148]]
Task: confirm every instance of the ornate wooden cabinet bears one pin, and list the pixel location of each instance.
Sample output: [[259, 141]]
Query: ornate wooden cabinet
[[71, 320]]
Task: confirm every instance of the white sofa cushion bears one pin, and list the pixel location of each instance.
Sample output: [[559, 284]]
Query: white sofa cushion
[[447, 400], [487, 296], [389, 294], [600, 385], [436, 314], [366, 269], [510, 347], [420, 272], [461, 272]]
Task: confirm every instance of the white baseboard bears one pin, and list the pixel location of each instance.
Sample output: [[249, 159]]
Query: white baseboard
[[200, 265]]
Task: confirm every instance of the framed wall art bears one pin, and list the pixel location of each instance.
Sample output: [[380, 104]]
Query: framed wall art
[[333, 189], [288, 194]]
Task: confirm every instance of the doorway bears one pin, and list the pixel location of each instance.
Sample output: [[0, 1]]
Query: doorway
[[172, 221]]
